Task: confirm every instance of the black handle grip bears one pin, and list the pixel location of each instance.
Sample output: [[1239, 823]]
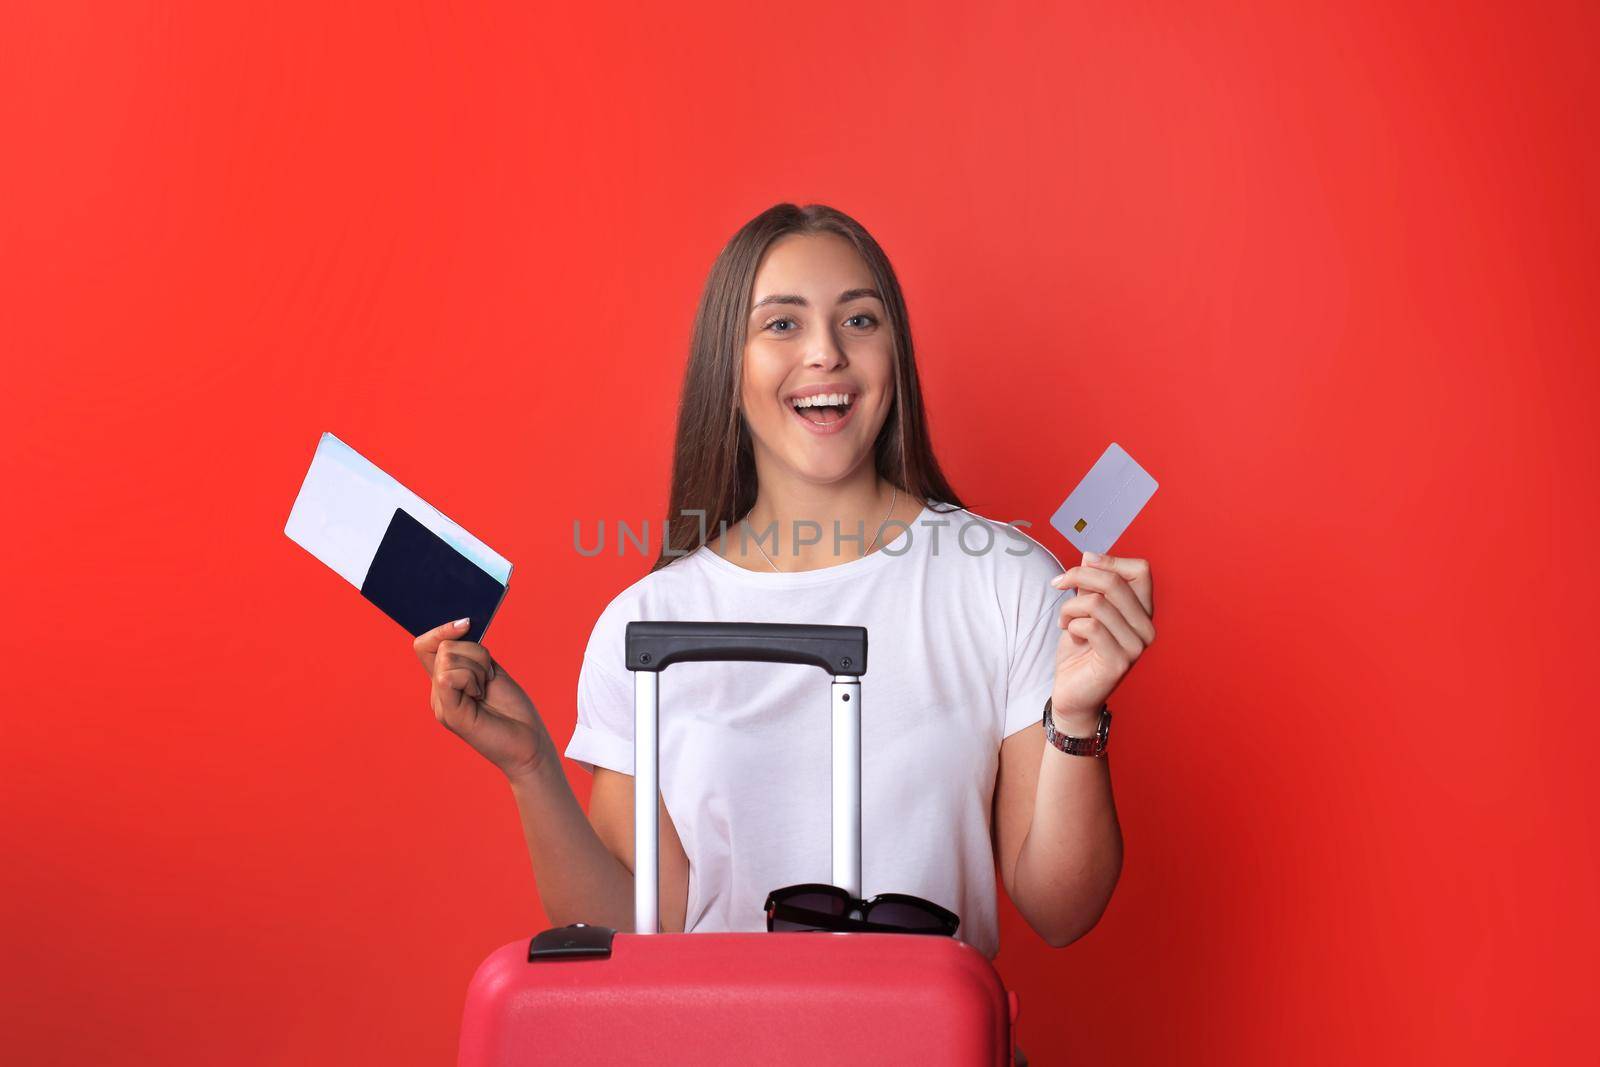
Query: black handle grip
[[576, 942], [836, 649]]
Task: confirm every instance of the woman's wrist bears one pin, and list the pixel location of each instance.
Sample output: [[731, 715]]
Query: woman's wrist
[[525, 779], [526, 776], [1074, 722]]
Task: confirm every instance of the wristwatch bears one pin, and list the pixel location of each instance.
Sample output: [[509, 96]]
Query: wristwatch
[[1079, 746]]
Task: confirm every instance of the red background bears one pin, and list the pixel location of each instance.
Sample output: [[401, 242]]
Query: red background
[[1326, 272]]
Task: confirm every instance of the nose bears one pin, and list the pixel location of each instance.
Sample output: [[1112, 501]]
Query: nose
[[825, 354]]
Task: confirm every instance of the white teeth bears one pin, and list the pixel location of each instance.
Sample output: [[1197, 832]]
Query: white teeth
[[824, 400]]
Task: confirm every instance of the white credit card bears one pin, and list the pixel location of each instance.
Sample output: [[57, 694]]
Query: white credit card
[[1105, 502]]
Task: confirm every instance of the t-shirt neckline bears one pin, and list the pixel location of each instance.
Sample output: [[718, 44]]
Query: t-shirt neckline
[[902, 544]]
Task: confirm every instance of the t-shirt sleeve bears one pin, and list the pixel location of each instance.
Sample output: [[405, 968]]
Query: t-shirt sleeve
[[1033, 657], [603, 734], [1033, 668]]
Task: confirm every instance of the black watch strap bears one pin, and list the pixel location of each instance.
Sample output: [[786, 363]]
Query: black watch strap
[[1079, 746]]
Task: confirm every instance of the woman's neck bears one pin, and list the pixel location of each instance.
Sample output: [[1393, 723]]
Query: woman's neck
[[794, 523]]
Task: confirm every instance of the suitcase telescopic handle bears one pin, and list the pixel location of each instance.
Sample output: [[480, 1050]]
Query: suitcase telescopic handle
[[652, 646]]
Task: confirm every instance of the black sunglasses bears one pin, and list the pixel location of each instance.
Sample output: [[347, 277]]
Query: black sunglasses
[[815, 906]]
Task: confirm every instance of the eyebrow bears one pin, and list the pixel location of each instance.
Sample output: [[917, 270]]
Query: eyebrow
[[790, 298]]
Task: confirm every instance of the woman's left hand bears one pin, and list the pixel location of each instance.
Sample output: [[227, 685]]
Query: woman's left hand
[[1104, 629]]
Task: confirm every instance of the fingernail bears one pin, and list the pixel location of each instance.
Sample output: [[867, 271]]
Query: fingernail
[[460, 624], [1093, 557]]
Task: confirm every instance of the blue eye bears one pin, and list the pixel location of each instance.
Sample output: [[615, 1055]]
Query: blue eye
[[871, 319]]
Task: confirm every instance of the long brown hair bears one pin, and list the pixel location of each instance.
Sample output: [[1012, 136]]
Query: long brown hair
[[713, 464]]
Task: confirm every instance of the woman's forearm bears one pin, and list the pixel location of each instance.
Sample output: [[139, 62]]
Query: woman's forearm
[[577, 877], [1072, 855]]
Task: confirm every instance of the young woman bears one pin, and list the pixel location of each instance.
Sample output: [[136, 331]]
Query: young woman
[[801, 439]]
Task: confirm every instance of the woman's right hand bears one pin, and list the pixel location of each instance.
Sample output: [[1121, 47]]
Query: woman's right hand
[[479, 702]]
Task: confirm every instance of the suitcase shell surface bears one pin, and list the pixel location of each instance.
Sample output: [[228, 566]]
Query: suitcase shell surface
[[791, 997], [779, 999]]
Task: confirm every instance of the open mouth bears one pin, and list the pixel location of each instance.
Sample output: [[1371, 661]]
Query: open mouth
[[825, 410]]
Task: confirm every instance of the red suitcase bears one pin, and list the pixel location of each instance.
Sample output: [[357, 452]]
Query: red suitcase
[[585, 994]]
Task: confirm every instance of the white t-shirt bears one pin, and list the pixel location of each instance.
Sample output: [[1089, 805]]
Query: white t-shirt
[[961, 642]]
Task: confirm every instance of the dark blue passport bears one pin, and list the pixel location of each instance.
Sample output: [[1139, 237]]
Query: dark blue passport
[[420, 581]]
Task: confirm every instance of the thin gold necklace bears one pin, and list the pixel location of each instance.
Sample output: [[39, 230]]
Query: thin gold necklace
[[746, 524]]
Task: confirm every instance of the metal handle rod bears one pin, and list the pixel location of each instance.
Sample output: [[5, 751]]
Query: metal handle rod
[[847, 784], [646, 825]]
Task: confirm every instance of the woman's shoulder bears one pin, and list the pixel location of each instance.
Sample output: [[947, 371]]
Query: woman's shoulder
[[997, 567], [998, 550], [653, 595]]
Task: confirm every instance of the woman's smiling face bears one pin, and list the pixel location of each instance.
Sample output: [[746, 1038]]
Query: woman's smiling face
[[816, 329]]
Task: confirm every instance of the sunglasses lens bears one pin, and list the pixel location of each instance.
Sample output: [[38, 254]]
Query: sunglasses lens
[[809, 904], [905, 916]]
